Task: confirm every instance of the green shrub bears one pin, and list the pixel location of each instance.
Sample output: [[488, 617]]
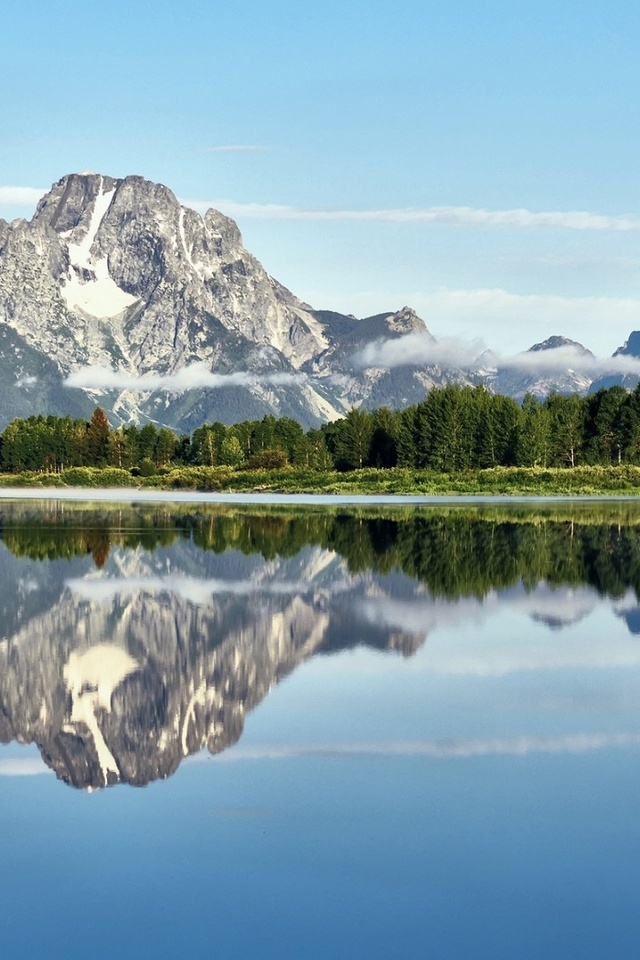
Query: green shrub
[[95, 477], [79, 477], [147, 468], [273, 458]]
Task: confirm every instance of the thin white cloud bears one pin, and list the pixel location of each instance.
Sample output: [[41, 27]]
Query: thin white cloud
[[440, 749], [447, 215], [465, 216], [192, 377], [416, 350], [20, 196], [236, 148], [19, 767]]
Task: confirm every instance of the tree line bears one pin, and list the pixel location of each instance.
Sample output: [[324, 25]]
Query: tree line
[[453, 429]]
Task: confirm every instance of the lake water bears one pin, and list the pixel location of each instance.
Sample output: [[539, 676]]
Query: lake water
[[342, 731]]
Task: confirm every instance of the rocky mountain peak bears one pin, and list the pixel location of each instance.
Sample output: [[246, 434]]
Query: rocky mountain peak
[[630, 347], [117, 273], [406, 321], [555, 342], [69, 203], [130, 249], [513, 378]]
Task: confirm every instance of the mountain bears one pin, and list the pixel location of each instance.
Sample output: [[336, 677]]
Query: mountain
[[342, 366], [118, 275], [630, 348], [114, 279], [546, 367]]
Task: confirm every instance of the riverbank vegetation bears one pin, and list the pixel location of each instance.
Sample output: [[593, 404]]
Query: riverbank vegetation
[[457, 440]]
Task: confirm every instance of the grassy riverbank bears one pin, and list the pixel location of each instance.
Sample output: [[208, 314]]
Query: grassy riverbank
[[518, 481]]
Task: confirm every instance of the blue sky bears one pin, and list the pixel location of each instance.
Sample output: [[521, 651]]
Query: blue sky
[[368, 151]]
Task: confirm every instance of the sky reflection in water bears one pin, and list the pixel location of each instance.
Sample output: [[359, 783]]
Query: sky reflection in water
[[416, 759]]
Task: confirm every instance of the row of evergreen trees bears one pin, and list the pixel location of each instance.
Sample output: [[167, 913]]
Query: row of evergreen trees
[[454, 428]]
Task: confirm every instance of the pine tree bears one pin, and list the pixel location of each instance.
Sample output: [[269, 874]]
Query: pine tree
[[354, 439], [533, 438], [97, 439]]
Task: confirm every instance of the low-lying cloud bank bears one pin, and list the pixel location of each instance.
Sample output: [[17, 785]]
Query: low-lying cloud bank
[[418, 349], [196, 376], [412, 350]]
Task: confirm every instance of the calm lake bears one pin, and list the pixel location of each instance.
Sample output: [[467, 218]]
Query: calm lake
[[376, 731]]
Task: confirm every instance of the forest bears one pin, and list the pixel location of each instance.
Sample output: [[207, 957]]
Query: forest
[[453, 429]]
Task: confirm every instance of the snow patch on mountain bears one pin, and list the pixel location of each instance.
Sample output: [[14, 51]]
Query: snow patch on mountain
[[100, 297], [89, 287], [80, 253]]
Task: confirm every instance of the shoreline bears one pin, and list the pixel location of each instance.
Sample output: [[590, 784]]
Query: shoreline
[[142, 495]]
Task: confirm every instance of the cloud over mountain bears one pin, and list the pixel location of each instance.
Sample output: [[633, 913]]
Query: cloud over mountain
[[416, 349], [195, 376]]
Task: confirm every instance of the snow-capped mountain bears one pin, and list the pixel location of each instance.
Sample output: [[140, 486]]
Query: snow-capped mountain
[[114, 280], [117, 274]]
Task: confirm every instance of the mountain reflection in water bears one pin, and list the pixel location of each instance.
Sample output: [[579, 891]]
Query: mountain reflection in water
[[133, 637]]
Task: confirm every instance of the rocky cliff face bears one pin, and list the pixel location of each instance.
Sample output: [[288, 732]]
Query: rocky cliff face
[[167, 286]]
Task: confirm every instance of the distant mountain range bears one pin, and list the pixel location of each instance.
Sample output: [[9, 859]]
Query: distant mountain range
[[114, 280]]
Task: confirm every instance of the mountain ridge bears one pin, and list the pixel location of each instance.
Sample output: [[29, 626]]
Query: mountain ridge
[[117, 275]]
